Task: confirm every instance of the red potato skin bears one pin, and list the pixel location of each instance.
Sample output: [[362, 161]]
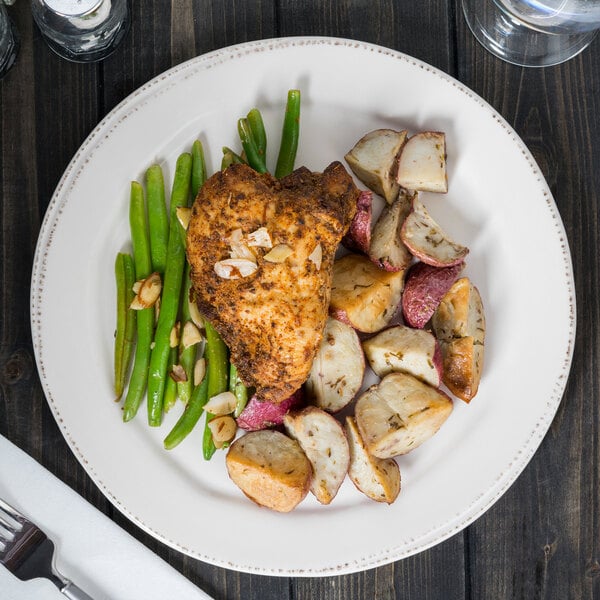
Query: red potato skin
[[424, 289], [262, 415], [358, 236]]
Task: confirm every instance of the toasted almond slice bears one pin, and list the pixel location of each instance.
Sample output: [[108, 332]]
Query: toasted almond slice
[[199, 371], [278, 254], [428, 241], [223, 429], [221, 404], [238, 247], [191, 335], [174, 336], [183, 216], [178, 374], [195, 314], [260, 238], [148, 292], [234, 268], [136, 286], [316, 256]]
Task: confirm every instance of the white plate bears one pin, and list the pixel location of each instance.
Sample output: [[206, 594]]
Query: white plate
[[498, 204]]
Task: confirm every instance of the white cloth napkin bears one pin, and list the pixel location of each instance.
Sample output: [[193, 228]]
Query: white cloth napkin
[[91, 550]]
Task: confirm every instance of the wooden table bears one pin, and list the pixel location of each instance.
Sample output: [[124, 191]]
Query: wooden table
[[542, 538]]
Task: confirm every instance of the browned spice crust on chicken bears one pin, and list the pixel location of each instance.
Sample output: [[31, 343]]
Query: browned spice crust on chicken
[[272, 320]]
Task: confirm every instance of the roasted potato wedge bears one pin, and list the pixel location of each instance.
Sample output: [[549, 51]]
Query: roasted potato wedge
[[424, 289], [338, 368], [270, 468], [428, 241], [459, 324], [422, 163], [374, 160], [263, 414], [377, 478], [387, 250], [401, 348], [322, 439], [359, 235], [363, 295], [399, 414]]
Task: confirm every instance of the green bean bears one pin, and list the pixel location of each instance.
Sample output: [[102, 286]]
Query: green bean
[[198, 167], [235, 158], [239, 390], [170, 393], [255, 160], [259, 134], [189, 417], [217, 372], [157, 218], [227, 160], [171, 292], [187, 356], [289, 135], [140, 240], [126, 318]]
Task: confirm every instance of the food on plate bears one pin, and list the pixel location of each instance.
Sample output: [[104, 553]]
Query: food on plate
[[374, 160], [405, 349], [422, 163], [387, 249], [459, 324], [377, 478], [363, 295], [359, 235], [424, 288], [271, 319], [260, 414], [322, 439], [399, 414], [338, 368], [270, 468], [428, 241]]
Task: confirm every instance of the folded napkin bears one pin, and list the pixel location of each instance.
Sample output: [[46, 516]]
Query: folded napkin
[[91, 550]]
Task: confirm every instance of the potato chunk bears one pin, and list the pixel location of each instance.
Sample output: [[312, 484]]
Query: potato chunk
[[363, 295], [399, 414], [270, 468]]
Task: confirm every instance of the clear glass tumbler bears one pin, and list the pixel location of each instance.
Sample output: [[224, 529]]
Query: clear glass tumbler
[[533, 33], [82, 30], [9, 41]]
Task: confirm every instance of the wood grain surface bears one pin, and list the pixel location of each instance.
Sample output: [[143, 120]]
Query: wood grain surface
[[541, 540]]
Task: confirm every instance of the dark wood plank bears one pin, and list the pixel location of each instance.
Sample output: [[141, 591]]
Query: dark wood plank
[[541, 539]]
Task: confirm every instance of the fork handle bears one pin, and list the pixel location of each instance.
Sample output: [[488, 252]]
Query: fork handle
[[71, 591]]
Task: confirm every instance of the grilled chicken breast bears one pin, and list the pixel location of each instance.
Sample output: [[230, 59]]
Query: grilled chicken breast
[[272, 319]]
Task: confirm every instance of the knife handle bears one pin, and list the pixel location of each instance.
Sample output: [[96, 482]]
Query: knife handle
[[70, 590]]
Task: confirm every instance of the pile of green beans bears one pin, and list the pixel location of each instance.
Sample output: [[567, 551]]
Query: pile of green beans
[[158, 243]]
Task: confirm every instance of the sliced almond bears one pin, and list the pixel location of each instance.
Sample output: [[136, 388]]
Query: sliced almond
[[178, 374], [316, 256], [191, 335], [239, 248], [157, 310], [148, 292], [221, 404], [195, 314], [136, 286], [223, 430], [234, 268], [199, 371], [174, 337], [184, 215], [260, 238], [278, 254]]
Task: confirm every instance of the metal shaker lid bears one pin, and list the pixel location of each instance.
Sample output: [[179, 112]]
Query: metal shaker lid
[[73, 8]]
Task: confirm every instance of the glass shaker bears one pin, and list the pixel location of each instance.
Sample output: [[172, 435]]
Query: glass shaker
[[82, 30], [9, 41]]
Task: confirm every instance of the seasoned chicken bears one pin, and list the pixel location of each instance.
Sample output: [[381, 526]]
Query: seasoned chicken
[[261, 252]]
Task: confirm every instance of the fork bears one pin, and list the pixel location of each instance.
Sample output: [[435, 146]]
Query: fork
[[28, 553]]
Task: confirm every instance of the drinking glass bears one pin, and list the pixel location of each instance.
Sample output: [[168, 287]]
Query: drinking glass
[[533, 33], [82, 30], [9, 41]]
